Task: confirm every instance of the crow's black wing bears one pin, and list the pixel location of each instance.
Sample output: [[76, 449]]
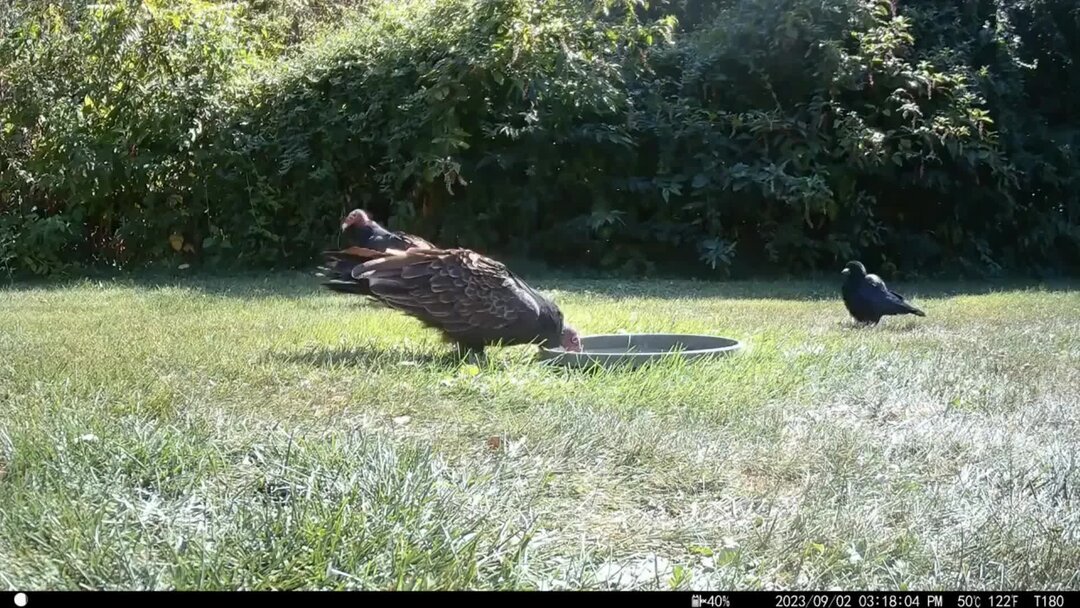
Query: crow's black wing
[[874, 291]]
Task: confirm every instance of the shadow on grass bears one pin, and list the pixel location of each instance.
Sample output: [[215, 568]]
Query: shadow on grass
[[368, 357], [302, 284], [896, 324]]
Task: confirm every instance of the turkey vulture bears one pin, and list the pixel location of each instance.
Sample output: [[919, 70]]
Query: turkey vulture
[[473, 300], [362, 231], [868, 299]]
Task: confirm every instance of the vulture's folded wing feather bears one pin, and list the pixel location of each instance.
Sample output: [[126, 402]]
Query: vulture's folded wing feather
[[457, 290], [414, 241]]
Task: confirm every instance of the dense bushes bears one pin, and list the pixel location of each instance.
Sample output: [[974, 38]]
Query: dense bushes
[[102, 106], [490, 119], [748, 135], [808, 135]]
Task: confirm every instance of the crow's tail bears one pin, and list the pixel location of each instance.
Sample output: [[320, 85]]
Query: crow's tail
[[912, 309]]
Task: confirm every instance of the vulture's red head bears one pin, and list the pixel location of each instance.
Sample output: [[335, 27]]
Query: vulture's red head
[[571, 342], [356, 217]]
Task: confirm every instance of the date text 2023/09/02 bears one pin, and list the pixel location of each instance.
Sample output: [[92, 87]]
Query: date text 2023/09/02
[[878, 599]]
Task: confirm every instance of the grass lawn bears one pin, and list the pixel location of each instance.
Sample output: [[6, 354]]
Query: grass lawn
[[260, 433]]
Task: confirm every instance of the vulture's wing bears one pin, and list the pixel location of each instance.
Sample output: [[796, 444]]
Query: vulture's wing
[[411, 240], [457, 290]]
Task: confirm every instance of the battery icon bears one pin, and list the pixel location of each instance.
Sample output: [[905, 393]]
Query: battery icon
[[695, 601]]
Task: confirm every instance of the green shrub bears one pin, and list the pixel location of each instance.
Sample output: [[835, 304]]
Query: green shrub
[[493, 117], [102, 106], [730, 137], [799, 134], [1025, 58]]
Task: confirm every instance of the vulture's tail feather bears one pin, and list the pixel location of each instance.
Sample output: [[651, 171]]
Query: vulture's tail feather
[[352, 287], [338, 270]]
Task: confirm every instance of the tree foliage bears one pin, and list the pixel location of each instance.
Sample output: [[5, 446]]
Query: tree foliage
[[731, 136]]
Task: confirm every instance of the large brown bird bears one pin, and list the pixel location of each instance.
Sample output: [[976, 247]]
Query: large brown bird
[[360, 230], [473, 300]]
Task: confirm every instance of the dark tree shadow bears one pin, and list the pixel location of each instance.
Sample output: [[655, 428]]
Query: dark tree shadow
[[247, 285], [302, 284], [806, 291]]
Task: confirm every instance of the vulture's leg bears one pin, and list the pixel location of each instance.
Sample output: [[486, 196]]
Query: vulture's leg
[[470, 353]]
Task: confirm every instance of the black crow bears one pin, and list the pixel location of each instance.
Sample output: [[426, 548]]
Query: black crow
[[868, 299]]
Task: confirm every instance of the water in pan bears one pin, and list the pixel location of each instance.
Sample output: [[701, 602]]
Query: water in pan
[[652, 343], [622, 350]]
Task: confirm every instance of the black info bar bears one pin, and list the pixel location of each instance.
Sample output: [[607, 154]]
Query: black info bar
[[680, 599]]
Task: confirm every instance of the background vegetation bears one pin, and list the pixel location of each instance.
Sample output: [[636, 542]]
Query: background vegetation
[[730, 136]]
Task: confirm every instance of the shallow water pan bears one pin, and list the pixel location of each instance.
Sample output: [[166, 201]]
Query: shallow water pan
[[634, 350]]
